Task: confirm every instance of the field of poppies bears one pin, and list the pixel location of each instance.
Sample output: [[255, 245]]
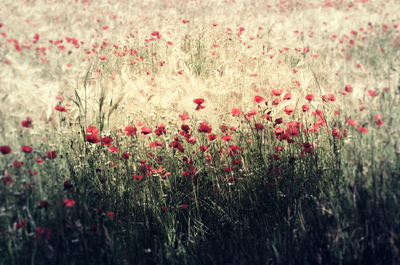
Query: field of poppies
[[200, 132]]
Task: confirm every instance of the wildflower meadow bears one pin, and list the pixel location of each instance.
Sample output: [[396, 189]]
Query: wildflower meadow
[[199, 132]]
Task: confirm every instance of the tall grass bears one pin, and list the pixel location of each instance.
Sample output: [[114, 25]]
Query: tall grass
[[279, 184]]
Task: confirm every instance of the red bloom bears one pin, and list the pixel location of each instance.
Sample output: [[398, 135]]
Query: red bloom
[[279, 131], [146, 130], [372, 93], [378, 120], [92, 138], [51, 154], [177, 145], [92, 129], [160, 130], [27, 123], [203, 148], [68, 202], [226, 138], [126, 155], [26, 149], [111, 214], [236, 112], [113, 149], [38, 160], [275, 102], [362, 129], [276, 92], [351, 122], [184, 116], [130, 130], [348, 88], [137, 177], [155, 144], [7, 180], [18, 164], [258, 126], [305, 108], [287, 96], [289, 110], [258, 99], [106, 141], [309, 97], [205, 127], [212, 137], [199, 107], [5, 149], [198, 101], [184, 206], [59, 108]]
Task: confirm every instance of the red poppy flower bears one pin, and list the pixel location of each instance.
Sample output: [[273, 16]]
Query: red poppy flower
[[276, 92], [289, 110], [160, 130], [7, 180], [92, 138], [378, 120], [348, 88], [372, 93], [68, 202], [130, 130], [146, 130], [278, 121], [258, 99], [18, 164], [276, 102], [51, 155], [309, 97], [5, 149], [155, 144], [59, 108], [205, 127], [362, 130], [198, 101], [113, 149], [287, 96], [39, 160], [111, 215], [26, 149], [137, 177], [236, 112], [203, 148], [258, 126], [27, 123], [226, 138], [305, 108], [184, 206], [184, 116], [106, 141], [212, 137], [126, 155], [351, 122], [92, 129], [279, 131]]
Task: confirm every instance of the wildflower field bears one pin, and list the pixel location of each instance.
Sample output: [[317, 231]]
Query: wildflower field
[[199, 132]]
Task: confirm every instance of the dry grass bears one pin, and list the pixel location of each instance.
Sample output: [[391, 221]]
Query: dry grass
[[29, 86]]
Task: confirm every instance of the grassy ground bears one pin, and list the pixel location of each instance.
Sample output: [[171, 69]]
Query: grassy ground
[[199, 132]]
